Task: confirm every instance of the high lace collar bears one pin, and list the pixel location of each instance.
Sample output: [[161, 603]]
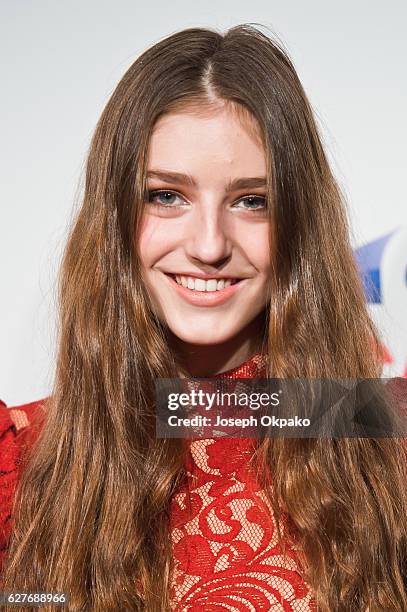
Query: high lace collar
[[254, 367]]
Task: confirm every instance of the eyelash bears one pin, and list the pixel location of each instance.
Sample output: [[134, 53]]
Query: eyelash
[[156, 192]]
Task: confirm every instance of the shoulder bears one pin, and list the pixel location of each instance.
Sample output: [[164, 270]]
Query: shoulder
[[19, 427]]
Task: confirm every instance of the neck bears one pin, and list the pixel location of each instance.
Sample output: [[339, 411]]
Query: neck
[[202, 360]]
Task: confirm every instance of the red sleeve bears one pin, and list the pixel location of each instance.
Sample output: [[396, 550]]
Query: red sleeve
[[17, 432]]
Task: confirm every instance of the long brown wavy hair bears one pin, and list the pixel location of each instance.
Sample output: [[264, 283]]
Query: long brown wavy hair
[[91, 514]]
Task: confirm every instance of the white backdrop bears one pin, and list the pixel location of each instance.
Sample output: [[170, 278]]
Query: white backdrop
[[61, 61]]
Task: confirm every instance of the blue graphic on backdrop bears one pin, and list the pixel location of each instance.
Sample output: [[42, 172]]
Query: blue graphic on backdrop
[[369, 257], [382, 266]]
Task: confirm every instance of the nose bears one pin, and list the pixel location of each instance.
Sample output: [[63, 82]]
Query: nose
[[208, 238]]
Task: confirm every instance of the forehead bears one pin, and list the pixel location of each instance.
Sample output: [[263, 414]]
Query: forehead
[[233, 111], [226, 133]]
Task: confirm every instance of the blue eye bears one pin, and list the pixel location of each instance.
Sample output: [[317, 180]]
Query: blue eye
[[256, 203], [252, 199], [163, 192]]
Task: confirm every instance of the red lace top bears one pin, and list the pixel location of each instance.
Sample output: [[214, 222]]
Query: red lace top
[[226, 551], [226, 554]]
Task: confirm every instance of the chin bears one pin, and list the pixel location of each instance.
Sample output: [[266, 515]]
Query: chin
[[203, 336]]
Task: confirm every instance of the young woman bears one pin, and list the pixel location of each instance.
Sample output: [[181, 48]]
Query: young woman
[[213, 242]]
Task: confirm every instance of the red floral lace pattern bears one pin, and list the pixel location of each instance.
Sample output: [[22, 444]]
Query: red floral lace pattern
[[225, 547], [16, 434]]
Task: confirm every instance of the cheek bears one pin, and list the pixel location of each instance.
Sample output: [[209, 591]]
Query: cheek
[[154, 240], [256, 244]]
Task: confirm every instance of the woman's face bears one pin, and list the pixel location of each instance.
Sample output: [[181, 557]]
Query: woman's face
[[204, 225]]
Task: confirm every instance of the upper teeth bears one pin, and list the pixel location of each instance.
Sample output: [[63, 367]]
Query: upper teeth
[[199, 284]]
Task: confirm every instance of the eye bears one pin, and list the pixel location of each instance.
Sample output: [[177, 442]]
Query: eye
[[166, 195], [256, 203]]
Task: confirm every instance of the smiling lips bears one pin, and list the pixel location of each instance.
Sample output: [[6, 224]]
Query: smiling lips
[[201, 284], [202, 292]]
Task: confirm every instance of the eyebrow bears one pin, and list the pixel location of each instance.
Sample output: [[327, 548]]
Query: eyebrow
[[186, 179]]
